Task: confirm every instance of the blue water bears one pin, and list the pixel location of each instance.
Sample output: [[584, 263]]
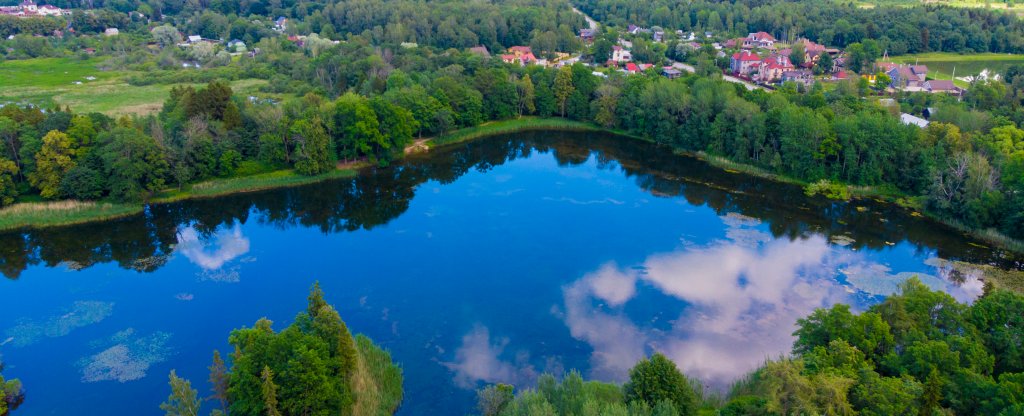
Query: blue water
[[557, 258]]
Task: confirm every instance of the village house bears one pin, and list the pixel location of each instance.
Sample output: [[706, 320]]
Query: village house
[[522, 55], [671, 73], [744, 62], [800, 76], [908, 77], [111, 31], [480, 50], [29, 8], [761, 40], [942, 86], [281, 24], [588, 35], [236, 45], [620, 54], [772, 67], [912, 120]]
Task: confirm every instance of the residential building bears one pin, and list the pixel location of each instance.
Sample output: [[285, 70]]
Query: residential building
[[908, 77], [942, 86], [744, 62], [799, 76], [480, 50], [620, 54], [772, 67], [762, 40], [29, 8], [909, 120], [588, 35], [671, 73]]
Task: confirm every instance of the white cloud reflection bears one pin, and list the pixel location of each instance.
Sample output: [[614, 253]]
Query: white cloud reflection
[[739, 302], [477, 359], [211, 254]]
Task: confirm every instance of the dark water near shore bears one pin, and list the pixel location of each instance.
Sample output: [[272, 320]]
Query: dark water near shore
[[487, 262]]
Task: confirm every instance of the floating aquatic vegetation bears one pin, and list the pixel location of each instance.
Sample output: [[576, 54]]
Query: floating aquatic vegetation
[[150, 263], [80, 314], [72, 265], [962, 273], [220, 276], [128, 359], [735, 219], [747, 237], [841, 240], [877, 279]]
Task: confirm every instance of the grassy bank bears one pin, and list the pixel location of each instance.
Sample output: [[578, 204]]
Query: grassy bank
[[58, 213], [377, 381], [259, 182], [514, 126]]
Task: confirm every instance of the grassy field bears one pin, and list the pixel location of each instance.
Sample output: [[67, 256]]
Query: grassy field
[[58, 213], [54, 81], [941, 64], [1017, 7]]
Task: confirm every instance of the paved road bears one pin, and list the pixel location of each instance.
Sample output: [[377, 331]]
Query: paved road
[[689, 68], [590, 22]]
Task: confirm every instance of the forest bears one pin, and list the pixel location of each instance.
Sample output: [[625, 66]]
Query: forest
[[899, 30]]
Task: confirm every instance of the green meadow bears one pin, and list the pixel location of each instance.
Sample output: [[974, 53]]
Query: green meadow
[[942, 64], [48, 82]]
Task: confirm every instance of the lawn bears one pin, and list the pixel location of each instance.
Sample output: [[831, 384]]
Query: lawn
[[54, 81], [1017, 7], [942, 64]]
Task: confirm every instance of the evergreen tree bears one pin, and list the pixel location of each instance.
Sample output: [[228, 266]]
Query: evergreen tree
[[269, 390], [183, 400]]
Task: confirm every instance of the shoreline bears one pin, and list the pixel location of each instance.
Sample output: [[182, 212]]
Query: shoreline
[[39, 215]]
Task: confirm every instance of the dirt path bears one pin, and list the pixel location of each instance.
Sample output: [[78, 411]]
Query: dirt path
[[418, 145]]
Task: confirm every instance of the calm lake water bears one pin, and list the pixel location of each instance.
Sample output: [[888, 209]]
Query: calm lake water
[[489, 262]]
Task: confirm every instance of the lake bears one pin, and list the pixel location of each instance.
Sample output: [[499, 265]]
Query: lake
[[492, 261]]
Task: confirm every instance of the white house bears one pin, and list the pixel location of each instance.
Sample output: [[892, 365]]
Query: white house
[[910, 119]]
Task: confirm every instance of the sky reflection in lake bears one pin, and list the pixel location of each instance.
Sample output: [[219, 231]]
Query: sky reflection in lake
[[491, 262]]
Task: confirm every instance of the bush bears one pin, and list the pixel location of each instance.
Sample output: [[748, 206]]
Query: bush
[[657, 378], [829, 189]]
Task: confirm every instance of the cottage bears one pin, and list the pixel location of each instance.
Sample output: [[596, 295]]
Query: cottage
[[620, 54], [236, 45], [744, 62], [588, 35], [942, 86], [762, 40], [671, 73], [631, 68], [111, 31], [912, 120], [522, 55], [281, 24], [799, 76], [910, 78], [480, 50]]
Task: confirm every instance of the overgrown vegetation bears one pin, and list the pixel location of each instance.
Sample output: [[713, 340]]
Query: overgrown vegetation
[[11, 394]]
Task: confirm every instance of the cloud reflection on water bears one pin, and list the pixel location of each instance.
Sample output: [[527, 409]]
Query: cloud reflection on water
[[212, 254], [739, 299]]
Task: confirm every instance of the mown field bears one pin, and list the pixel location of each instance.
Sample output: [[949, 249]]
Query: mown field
[[65, 81], [1014, 6], [942, 64]]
